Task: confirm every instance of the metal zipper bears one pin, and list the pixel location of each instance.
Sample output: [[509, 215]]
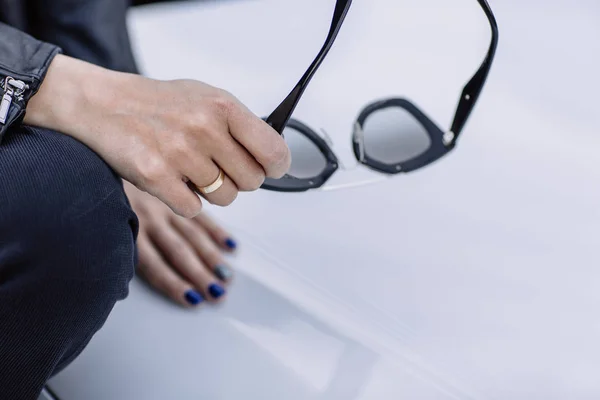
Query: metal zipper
[[12, 88]]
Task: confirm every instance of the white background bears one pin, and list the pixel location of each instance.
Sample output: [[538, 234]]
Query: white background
[[475, 278]]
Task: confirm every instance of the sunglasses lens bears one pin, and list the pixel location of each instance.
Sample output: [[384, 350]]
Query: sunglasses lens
[[393, 135], [307, 159]]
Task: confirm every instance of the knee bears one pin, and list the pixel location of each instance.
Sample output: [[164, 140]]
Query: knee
[[67, 243], [72, 217], [93, 240]]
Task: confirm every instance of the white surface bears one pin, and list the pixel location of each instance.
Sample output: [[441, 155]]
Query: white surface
[[45, 396], [476, 278]]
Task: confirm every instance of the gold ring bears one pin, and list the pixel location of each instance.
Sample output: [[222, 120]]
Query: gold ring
[[213, 186]]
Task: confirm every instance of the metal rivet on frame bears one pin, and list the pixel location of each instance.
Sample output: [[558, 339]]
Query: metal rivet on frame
[[358, 136], [448, 138]]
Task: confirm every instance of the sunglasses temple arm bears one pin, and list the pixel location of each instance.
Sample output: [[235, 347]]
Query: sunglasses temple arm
[[279, 118], [473, 88]]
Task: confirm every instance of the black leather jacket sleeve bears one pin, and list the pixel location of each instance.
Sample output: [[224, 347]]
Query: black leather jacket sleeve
[[25, 60]]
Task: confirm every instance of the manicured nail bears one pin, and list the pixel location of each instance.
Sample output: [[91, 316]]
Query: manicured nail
[[223, 273], [193, 297], [216, 290], [229, 242]]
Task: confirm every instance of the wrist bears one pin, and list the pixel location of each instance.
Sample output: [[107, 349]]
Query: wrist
[[73, 94]]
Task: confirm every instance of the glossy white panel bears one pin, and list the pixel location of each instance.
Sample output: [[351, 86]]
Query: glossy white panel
[[476, 278]]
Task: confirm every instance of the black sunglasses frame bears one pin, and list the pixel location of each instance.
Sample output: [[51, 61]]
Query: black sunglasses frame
[[441, 142], [434, 152], [279, 118], [290, 183]]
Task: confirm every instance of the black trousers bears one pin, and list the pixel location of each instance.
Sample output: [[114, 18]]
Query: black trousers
[[67, 254]]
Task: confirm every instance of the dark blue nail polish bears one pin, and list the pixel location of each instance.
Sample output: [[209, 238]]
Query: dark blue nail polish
[[216, 291], [223, 273], [230, 243], [193, 297]]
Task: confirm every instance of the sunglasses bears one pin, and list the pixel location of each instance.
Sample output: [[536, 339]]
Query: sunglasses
[[390, 136]]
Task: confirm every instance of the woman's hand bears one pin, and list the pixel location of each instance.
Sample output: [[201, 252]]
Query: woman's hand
[[182, 258], [162, 136]]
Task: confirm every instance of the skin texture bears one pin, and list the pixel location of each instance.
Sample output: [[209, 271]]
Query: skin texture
[[165, 138], [162, 136]]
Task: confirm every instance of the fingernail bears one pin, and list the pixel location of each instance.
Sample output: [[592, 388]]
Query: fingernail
[[216, 290], [193, 297], [223, 273], [229, 242]]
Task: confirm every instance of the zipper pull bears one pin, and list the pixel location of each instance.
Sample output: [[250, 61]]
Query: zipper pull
[[10, 85], [5, 104]]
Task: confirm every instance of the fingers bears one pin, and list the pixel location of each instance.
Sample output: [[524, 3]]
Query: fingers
[[223, 196], [205, 247], [153, 268], [219, 235], [203, 173], [266, 146], [159, 180], [220, 134], [174, 131], [182, 257], [247, 174], [182, 200]]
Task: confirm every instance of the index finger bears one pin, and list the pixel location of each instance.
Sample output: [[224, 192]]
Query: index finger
[[262, 142]]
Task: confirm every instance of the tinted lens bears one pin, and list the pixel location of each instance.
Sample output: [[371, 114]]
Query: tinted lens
[[307, 159], [393, 135]]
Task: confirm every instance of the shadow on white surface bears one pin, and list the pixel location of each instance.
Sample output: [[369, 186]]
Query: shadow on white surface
[[263, 343]]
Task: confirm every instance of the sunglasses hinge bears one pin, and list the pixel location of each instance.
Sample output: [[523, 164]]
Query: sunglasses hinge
[[358, 137]]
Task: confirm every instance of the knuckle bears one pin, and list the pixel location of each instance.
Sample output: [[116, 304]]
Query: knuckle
[[214, 135], [179, 146], [199, 121], [189, 212], [223, 101], [227, 200], [208, 130], [253, 182], [151, 169], [280, 157], [185, 208]]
